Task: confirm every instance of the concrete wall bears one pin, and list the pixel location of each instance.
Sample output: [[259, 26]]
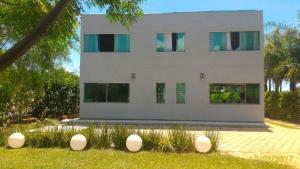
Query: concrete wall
[[151, 67]]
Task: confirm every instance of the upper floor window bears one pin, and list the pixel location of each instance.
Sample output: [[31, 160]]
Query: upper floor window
[[222, 41], [106, 43], [217, 41], [167, 42]]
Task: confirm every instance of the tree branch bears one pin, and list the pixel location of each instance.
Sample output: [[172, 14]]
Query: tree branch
[[7, 3], [20, 48]]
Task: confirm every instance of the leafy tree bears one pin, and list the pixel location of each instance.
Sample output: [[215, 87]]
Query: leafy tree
[[282, 56], [52, 23]]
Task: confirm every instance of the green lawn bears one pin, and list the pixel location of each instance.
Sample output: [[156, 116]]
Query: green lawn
[[64, 158]]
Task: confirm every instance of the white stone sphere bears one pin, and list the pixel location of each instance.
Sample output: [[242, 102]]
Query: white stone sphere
[[134, 143], [16, 140], [78, 142], [203, 144]]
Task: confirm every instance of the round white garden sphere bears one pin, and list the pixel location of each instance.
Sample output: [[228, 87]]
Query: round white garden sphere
[[78, 142], [16, 140], [134, 143], [202, 144]]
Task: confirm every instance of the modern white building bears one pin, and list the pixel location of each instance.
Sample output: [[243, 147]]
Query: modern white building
[[186, 66]]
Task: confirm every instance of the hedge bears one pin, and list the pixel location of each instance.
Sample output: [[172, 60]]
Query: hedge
[[283, 106]]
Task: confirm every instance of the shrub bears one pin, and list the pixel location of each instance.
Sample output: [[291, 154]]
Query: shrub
[[151, 140], [119, 135], [98, 137], [54, 137], [290, 106], [105, 138], [59, 99], [214, 137], [272, 105], [165, 145], [181, 140], [2, 136]]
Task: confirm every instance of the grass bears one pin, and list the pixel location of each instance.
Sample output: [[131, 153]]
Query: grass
[[64, 158]]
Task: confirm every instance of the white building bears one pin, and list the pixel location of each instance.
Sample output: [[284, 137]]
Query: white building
[[194, 66]]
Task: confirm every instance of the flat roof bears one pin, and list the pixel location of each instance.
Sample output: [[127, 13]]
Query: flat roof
[[195, 12]]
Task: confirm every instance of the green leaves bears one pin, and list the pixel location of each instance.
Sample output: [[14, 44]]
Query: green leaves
[[282, 54]]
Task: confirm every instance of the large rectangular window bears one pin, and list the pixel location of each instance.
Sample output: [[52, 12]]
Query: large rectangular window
[[160, 93], [106, 92], [234, 93], [218, 41], [222, 41], [106, 43], [249, 40], [167, 42], [180, 93]]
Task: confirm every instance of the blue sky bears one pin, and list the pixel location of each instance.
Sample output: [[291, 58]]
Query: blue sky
[[282, 11]]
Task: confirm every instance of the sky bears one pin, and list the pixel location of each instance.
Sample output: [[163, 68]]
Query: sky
[[280, 11]]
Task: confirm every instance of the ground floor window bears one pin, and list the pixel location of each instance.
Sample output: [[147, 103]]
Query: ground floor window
[[180, 93], [234, 93], [106, 92], [160, 93]]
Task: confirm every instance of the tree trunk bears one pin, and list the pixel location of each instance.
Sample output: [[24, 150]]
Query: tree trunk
[[277, 85], [21, 47], [292, 85], [270, 84], [265, 84]]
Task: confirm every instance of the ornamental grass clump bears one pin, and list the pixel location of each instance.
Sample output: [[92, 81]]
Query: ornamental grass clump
[[151, 140], [181, 141], [119, 135], [214, 137], [100, 137], [53, 137]]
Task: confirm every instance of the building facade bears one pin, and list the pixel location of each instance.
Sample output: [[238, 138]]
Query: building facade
[[194, 66]]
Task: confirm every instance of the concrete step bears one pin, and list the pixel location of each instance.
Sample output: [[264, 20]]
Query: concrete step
[[165, 124]]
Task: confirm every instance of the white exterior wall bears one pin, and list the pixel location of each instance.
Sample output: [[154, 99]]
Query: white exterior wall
[[151, 67]]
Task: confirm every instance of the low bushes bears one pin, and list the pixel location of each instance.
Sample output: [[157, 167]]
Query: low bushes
[[103, 137], [283, 106]]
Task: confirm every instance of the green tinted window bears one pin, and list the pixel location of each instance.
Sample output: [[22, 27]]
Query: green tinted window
[[160, 93], [118, 92], [227, 93], [180, 93], [167, 42], [217, 41], [252, 93], [106, 92], [249, 40], [122, 43], [180, 42], [91, 43], [160, 42], [94, 92]]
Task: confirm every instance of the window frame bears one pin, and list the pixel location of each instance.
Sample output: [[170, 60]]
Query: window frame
[[241, 84], [209, 42], [114, 51], [156, 93], [240, 42], [184, 96], [158, 51], [106, 94]]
